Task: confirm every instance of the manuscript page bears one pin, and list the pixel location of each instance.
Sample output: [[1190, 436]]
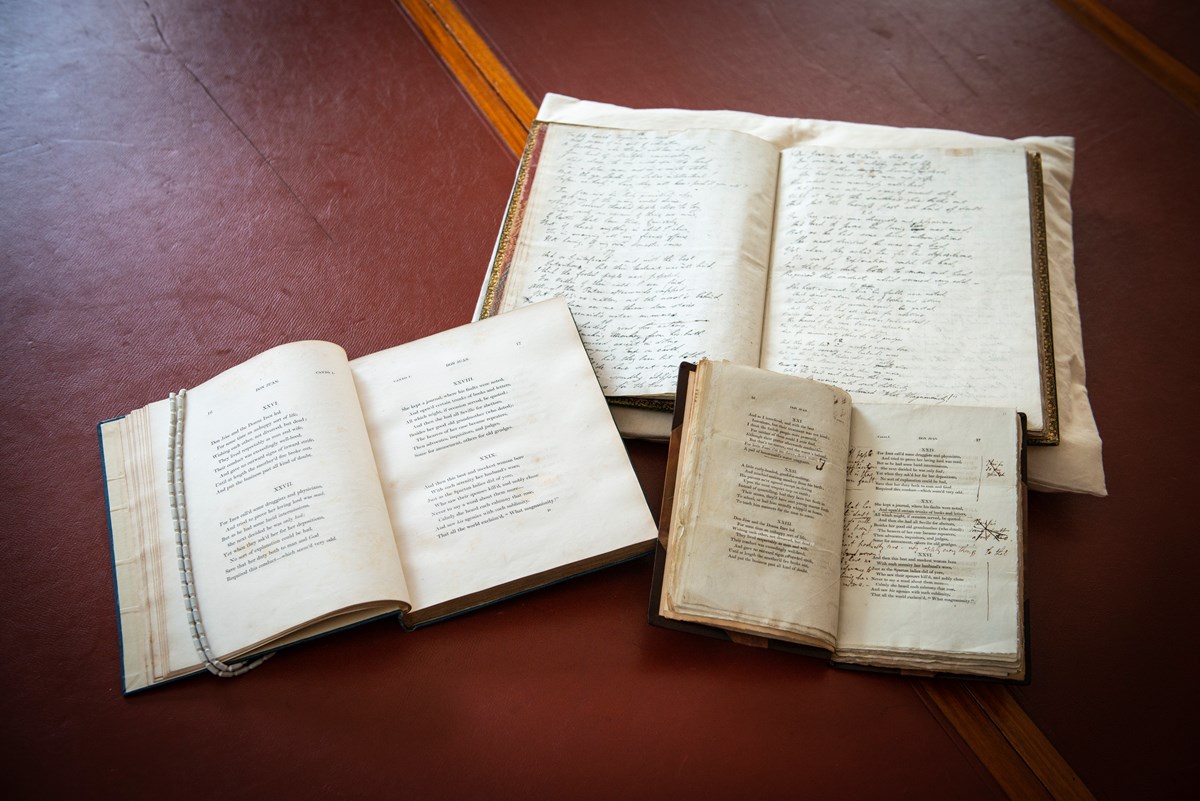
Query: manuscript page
[[757, 525], [906, 276], [497, 454], [287, 520], [930, 550], [658, 240]]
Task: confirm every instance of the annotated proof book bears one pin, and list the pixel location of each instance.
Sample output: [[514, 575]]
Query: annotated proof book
[[912, 276], [318, 492], [883, 536]]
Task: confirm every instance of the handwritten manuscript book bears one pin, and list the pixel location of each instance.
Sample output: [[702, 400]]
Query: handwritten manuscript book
[[907, 275]]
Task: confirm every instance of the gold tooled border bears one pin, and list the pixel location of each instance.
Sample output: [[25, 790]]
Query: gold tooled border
[[1049, 434], [509, 231], [653, 404]]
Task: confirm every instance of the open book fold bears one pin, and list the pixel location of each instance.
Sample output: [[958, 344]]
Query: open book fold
[[903, 275], [877, 535], [423, 480]]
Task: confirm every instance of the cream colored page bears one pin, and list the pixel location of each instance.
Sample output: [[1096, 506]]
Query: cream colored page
[[172, 637], [930, 546], [759, 539], [658, 240], [152, 622], [286, 517], [906, 276], [498, 454]]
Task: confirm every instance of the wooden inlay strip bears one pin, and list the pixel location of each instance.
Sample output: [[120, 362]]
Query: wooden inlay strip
[[986, 717], [1006, 741], [1131, 45], [1028, 741], [472, 62]]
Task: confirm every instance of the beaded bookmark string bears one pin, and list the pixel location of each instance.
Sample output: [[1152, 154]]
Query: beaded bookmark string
[[183, 553]]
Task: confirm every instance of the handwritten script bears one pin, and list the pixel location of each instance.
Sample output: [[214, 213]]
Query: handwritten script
[[651, 238], [905, 276]]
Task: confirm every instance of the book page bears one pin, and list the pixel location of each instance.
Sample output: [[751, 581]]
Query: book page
[[155, 636], [171, 636], [757, 525], [658, 240], [498, 454], [286, 517], [906, 276], [931, 549]]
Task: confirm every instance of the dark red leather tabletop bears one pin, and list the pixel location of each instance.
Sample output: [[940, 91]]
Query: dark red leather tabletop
[[183, 185]]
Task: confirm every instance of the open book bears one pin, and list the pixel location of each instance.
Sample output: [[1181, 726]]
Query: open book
[[913, 276], [883, 535], [318, 492]]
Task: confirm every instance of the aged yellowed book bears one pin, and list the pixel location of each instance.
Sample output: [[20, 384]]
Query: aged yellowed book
[[318, 492], [911, 276], [879, 535]]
